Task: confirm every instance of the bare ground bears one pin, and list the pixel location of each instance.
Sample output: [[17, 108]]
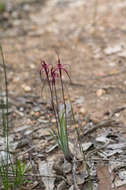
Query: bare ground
[[89, 36]]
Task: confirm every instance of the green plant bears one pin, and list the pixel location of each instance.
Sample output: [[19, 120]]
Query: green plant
[[4, 119], [62, 139], [16, 173], [51, 75], [19, 171], [12, 175]]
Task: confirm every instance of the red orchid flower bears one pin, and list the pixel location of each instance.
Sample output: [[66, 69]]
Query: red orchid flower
[[60, 67], [44, 67]]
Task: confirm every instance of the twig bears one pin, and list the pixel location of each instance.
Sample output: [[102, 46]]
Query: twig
[[104, 123], [117, 110]]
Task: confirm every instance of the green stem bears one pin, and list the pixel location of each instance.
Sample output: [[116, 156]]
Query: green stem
[[6, 125]]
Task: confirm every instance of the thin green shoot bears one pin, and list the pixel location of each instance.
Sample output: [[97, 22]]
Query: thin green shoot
[[62, 138], [12, 175], [5, 114]]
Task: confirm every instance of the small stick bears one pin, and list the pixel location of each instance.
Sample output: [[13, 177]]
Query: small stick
[[104, 123]]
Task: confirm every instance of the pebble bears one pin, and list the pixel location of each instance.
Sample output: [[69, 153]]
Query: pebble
[[36, 109], [37, 114], [26, 88], [100, 92], [83, 111], [53, 120]]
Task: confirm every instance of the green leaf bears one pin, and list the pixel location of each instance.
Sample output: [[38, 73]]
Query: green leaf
[[63, 134]]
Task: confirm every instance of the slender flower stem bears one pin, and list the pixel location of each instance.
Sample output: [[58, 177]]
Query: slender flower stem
[[53, 106], [45, 67], [58, 117], [61, 136]]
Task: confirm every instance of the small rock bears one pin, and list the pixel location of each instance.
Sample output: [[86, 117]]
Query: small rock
[[100, 92], [26, 88], [61, 186], [53, 120], [83, 111], [32, 66], [36, 114], [36, 109], [21, 109]]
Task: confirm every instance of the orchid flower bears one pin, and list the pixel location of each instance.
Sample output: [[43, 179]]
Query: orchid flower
[[61, 136], [59, 68], [44, 67]]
